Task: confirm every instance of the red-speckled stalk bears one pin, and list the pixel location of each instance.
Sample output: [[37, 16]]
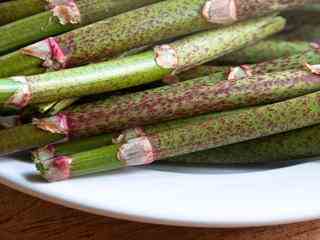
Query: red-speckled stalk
[[215, 130], [14, 10], [298, 144], [62, 18], [265, 51], [229, 11], [185, 99], [138, 69], [297, 61]]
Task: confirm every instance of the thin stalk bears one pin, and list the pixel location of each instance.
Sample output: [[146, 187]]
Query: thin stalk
[[83, 163], [49, 23], [265, 51], [196, 72], [141, 68], [71, 147], [290, 146], [189, 135], [13, 10], [60, 106]]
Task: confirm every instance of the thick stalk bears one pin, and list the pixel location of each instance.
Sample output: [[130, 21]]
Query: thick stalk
[[188, 136], [71, 147], [14, 10], [215, 130], [51, 23], [110, 37], [185, 99], [141, 68], [226, 12], [293, 145], [265, 51]]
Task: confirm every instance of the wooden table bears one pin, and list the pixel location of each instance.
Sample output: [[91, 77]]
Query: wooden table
[[27, 218]]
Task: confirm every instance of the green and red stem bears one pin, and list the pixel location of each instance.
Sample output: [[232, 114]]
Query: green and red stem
[[290, 146], [137, 69]]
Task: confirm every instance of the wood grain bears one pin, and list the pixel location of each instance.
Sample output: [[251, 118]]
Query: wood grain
[[27, 218]]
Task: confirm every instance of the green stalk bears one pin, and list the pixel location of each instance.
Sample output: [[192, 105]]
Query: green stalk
[[293, 145], [187, 136], [26, 65], [110, 37], [226, 12], [39, 26], [72, 147], [83, 163], [142, 68], [14, 10], [26, 137], [60, 106], [265, 51]]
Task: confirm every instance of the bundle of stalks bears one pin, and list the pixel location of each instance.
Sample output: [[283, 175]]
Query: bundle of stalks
[[185, 136], [137, 28], [100, 84], [137, 69], [185, 99], [63, 16]]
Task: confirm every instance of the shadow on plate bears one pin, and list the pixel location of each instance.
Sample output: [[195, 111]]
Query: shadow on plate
[[225, 169]]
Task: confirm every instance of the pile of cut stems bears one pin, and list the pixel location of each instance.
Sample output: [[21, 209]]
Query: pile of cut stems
[[95, 85]]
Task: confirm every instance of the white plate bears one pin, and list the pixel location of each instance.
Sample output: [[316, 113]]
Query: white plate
[[188, 196]]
